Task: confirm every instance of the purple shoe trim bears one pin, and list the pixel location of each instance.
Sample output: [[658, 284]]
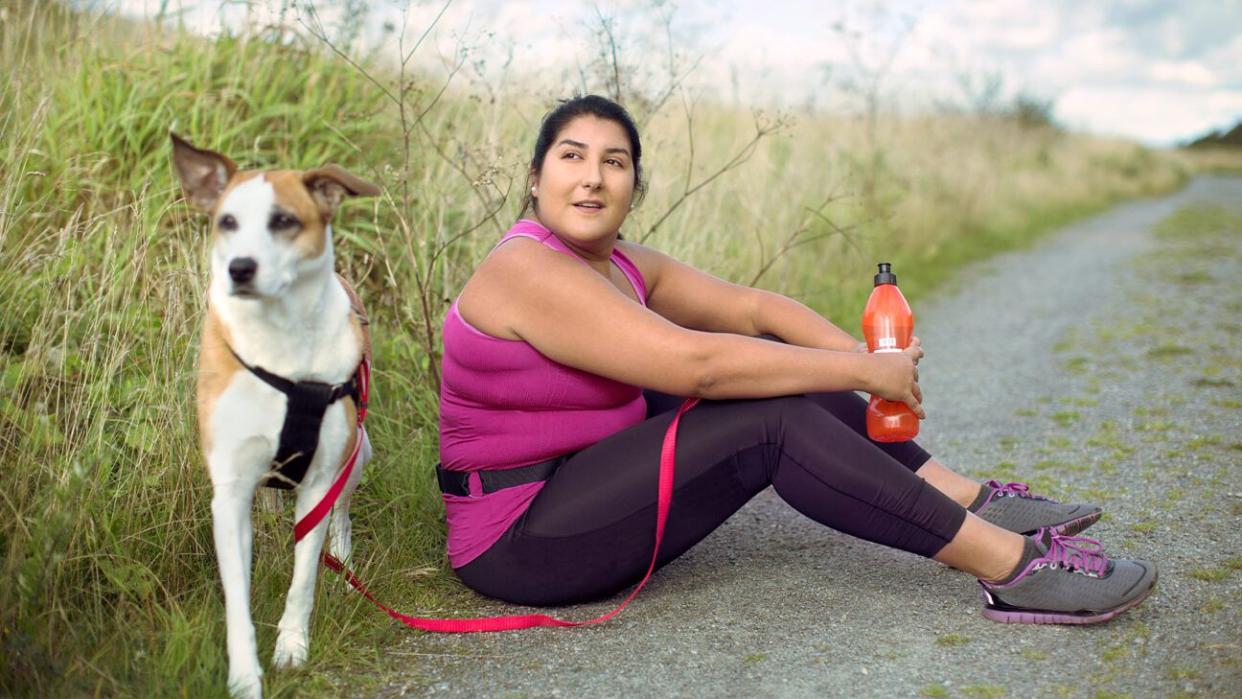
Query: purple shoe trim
[[1080, 553], [1022, 490]]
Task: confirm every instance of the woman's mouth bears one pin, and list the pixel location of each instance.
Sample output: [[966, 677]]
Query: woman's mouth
[[589, 206]]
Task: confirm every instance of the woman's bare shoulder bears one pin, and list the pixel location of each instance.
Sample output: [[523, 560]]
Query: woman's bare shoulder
[[649, 261], [483, 299]]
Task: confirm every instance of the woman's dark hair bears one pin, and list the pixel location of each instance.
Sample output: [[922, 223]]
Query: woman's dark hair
[[570, 109]]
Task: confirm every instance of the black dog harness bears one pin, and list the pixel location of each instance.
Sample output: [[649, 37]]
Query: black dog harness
[[299, 436]]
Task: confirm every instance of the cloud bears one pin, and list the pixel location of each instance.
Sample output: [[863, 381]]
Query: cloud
[[1183, 73], [1160, 116], [1179, 60]]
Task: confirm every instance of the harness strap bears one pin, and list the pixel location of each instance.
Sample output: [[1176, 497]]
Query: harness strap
[[299, 435], [526, 621], [312, 519]]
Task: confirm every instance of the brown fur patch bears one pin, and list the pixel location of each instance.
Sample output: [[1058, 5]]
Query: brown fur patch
[[216, 367], [359, 321], [292, 196], [351, 419]]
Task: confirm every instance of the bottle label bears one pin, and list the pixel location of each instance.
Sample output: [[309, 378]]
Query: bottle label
[[887, 344], [886, 350]]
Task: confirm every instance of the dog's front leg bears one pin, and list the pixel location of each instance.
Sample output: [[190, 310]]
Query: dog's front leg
[[230, 509], [293, 639]]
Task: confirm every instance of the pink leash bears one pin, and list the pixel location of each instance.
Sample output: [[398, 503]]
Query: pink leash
[[496, 623], [317, 513]]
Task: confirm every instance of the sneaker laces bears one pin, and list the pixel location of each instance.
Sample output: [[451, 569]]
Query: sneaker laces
[[1077, 553], [1021, 490]]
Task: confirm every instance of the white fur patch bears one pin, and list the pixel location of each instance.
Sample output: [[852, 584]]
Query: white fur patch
[[280, 263]]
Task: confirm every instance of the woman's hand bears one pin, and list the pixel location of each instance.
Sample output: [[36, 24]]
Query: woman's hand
[[896, 376]]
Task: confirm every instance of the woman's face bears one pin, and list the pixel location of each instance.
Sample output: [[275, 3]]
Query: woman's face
[[586, 184]]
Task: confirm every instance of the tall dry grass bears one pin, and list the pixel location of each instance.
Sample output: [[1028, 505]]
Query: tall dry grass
[[106, 522]]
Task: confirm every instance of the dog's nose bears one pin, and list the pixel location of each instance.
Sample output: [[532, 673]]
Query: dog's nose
[[242, 269]]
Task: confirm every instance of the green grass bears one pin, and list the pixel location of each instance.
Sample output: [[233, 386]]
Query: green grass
[[1182, 673], [950, 640], [1066, 418], [1212, 575], [984, 691], [1034, 654], [106, 531], [1168, 351]]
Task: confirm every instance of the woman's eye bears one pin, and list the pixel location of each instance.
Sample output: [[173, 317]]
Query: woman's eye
[[570, 155], [614, 161], [227, 223]]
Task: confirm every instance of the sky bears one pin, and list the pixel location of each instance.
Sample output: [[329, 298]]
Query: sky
[[1152, 71]]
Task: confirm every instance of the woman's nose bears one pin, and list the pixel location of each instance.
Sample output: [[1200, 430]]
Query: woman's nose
[[592, 179]]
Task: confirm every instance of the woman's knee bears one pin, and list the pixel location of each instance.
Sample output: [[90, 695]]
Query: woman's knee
[[792, 410], [771, 421], [777, 406]]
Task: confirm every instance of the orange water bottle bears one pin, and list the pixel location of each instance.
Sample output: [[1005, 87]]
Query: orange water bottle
[[888, 325]]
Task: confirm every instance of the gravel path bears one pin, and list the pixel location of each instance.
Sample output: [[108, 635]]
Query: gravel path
[[1103, 364]]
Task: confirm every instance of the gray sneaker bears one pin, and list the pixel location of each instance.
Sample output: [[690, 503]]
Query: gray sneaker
[[1011, 506], [1072, 583]]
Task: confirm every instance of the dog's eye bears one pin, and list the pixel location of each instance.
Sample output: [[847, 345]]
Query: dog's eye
[[227, 223], [282, 222]]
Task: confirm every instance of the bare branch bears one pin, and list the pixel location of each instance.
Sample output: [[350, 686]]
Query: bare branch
[[605, 24], [413, 49], [316, 30], [743, 154], [796, 239]]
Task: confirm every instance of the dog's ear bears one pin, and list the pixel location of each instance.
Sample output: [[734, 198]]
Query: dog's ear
[[203, 173], [330, 184]]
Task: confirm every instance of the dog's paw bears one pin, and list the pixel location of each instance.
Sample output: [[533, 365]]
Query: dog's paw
[[246, 685], [291, 648]]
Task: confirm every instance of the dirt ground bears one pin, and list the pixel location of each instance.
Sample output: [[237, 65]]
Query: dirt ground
[[1103, 365]]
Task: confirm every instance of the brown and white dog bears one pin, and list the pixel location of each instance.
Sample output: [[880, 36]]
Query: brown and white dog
[[275, 306]]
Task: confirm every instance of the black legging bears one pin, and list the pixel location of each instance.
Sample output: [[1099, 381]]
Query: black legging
[[588, 533]]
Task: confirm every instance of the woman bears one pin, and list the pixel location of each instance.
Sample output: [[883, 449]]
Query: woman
[[550, 449]]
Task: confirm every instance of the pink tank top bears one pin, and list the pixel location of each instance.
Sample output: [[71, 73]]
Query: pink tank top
[[505, 405]]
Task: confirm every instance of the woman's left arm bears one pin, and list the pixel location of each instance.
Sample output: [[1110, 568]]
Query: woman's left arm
[[697, 300]]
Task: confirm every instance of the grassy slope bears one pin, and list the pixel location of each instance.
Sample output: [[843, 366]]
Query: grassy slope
[[106, 533]]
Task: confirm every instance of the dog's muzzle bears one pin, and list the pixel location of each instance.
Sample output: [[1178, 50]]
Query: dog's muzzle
[[242, 270]]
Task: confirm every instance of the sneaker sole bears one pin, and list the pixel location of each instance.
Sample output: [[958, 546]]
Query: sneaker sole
[[1074, 526], [1029, 616]]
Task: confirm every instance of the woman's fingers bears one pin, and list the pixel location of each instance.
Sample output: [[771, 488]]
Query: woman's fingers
[[916, 403], [917, 408], [899, 379], [916, 392], [915, 350]]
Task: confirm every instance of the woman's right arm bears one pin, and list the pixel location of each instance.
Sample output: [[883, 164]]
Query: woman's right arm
[[574, 316]]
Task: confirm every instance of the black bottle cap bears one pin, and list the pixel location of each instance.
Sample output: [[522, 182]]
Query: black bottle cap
[[886, 275]]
